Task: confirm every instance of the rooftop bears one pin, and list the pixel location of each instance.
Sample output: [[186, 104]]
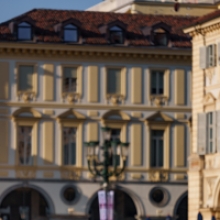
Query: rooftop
[[44, 22]]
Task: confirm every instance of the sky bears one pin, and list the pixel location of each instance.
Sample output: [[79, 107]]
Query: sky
[[13, 8]]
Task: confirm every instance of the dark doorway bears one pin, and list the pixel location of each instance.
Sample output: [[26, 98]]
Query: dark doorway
[[24, 204], [124, 207], [182, 209]]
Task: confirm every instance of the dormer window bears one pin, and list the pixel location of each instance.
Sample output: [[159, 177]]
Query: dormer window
[[160, 37], [70, 33], [116, 35], [24, 31]]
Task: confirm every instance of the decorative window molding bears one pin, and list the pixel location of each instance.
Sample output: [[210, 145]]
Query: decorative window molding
[[72, 119], [209, 102], [24, 31], [27, 81], [70, 194], [71, 83], [159, 196], [27, 117], [117, 93], [160, 121], [161, 96]]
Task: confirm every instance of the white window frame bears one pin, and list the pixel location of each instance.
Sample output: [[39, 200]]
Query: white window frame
[[210, 132], [211, 55]]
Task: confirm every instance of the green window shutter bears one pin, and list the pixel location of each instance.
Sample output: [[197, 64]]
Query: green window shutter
[[202, 134], [26, 77], [114, 81]]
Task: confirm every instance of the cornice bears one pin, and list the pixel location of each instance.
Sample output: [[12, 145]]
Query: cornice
[[96, 107], [200, 29], [60, 50]]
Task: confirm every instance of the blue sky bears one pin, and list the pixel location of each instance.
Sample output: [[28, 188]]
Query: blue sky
[[12, 8]]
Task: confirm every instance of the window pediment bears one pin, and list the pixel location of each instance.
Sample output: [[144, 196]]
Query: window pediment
[[209, 99], [161, 25], [26, 113], [159, 117], [116, 115], [71, 115]]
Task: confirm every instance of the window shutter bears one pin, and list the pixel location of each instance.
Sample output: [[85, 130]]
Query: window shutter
[[214, 132], [203, 57], [202, 133], [218, 131]]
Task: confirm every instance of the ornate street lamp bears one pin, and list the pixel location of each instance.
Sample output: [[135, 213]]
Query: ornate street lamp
[[104, 161]]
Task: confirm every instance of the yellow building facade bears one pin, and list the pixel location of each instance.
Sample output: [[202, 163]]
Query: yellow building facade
[[55, 95], [203, 183]]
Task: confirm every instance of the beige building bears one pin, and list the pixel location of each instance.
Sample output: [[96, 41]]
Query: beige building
[[187, 7], [204, 178], [64, 74]]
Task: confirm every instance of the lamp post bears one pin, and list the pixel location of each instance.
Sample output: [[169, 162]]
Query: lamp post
[[104, 161]]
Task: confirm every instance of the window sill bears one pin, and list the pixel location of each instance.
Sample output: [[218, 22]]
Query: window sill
[[71, 97], [26, 95], [115, 99], [158, 100]]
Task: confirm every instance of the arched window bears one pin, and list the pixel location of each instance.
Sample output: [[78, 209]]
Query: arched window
[[160, 37], [24, 31], [70, 33], [116, 35]]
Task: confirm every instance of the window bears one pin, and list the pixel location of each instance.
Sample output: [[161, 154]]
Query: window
[[24, 31], [207, 56], [210, 131], [70, 194], [70, 79], [159, 196], [211, 55], [25, 81], [160, 37], [24, 144], [116, 35], [157, 142], [114, 81], [70, 33], [115, 134], [69, 145], [157, 82]]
